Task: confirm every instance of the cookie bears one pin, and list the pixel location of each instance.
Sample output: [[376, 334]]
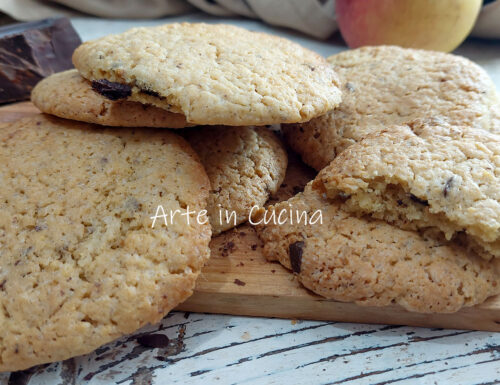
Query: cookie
[[212, 74], [80, 263], [68, 95], [369, 262], [390, 85], [426, 174], [245, 166]]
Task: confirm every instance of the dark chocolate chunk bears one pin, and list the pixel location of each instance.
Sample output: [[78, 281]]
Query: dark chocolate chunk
[[151, 93], [111, 90], [447, 186], [2, 284], [153, 340], [295, 253], [418, 200], [297, 189], [239, 283], [31, 51]]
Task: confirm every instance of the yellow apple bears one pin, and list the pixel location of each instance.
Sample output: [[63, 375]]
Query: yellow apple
[[439, 25]]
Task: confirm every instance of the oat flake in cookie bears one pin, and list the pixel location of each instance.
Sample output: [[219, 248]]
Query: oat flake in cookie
[[80, 264], [68, 95], [369, 262], [426, 174], [387, 85], [214, 74], [245, 166]]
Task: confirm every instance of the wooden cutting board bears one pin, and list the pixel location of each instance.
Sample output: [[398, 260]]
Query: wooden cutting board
[[238, 280]]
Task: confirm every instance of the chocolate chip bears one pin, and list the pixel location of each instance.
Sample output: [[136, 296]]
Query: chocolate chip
[[151, 93], [297, 189], [239, 283], [111, 90], [447, 186], [254, 247], [418, 200], [295, 253], [153, 341], [2, 284]]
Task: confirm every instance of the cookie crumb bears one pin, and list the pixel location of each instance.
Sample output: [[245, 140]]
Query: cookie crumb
[[228, 248]]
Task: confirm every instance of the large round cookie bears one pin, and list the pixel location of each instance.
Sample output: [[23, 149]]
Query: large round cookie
[[369, 262], [212, 74], [245, 166], [80, 263], [390, 85], [68, 95]]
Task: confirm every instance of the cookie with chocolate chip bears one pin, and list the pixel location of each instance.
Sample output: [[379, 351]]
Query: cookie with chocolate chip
[[387, 85], [81, 262], [427, 174], [372, 263], [212, 74], [68, 95]]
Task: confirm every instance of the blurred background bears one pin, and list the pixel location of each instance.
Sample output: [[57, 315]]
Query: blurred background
[[408, 22]]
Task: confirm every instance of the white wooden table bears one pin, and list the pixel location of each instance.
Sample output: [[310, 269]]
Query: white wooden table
[[221, 349]]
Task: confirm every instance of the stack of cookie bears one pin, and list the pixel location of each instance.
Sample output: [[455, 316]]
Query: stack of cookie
[[175, 117], [82, 262], [408, 183]]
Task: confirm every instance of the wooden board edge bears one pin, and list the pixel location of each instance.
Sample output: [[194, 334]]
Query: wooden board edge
[[327, 310]]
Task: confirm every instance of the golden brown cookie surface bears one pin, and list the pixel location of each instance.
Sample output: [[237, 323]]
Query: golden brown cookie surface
[[245, 166], [426, 174], [367, 261], [212, 74], [80, 262], [387, 85]]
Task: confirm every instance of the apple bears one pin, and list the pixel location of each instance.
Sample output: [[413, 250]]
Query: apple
[[439, 25]]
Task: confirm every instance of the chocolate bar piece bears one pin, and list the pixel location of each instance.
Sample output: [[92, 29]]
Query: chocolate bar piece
[[31, 51]]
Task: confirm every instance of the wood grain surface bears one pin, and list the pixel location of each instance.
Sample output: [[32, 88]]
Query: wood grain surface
[[239, 281]]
